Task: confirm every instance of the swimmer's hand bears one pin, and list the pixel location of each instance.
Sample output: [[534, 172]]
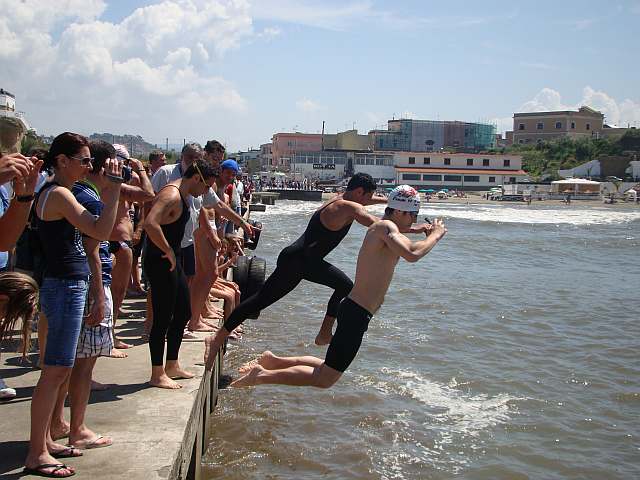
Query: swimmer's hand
[[437, 228], [172, 259]]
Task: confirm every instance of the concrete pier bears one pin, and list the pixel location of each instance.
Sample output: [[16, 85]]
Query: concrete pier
[[157, 433], [293, 194]]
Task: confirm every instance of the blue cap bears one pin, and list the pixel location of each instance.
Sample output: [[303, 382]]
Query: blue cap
[[230, 164]]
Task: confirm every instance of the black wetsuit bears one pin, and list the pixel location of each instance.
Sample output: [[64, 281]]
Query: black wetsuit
[[169, 291], [303, 259]]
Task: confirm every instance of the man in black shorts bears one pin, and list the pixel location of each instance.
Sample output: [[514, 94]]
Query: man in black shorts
[[304, 259], [383, 245]]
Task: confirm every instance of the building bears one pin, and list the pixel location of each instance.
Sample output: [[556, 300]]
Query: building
[[537, 127], [13, 124], [336, 164], [248, 160], [266, 155], [614, 130], [407, 135], [286, 145], [460, 171]]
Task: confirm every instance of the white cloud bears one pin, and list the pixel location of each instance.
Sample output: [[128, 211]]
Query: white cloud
[[60, 55], [308, 105]]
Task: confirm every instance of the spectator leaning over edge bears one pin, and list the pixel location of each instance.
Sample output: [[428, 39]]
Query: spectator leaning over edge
[[60, 220]]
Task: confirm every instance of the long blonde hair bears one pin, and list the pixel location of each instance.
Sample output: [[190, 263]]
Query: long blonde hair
[[22, 303]]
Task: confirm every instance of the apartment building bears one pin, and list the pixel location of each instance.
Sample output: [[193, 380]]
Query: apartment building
[[461, 171], [537, 127]]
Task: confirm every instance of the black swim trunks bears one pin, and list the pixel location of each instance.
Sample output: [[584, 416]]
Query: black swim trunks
[[115, 246], [353, 321]]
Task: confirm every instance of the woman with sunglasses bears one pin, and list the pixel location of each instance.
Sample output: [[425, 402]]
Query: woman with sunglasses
[[165, 225], [60, 221]]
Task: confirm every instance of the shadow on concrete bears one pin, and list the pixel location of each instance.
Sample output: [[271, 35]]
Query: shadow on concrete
[[115, 392], [12, 455]]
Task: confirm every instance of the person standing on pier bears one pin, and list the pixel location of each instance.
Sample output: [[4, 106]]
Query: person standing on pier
[[381, 249], [304, 260], [165, 226]]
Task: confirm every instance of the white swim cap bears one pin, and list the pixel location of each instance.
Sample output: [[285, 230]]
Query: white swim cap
[[121, 151], [404, 198]]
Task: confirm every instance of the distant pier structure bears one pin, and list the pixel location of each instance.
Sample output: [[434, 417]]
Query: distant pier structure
[[13, 124]]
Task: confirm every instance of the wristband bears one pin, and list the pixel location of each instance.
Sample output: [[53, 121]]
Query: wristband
[[25, 198]]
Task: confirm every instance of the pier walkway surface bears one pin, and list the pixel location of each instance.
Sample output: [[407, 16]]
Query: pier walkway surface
[[153, 430]]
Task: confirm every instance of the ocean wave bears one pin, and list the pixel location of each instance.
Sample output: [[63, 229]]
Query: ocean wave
[[539, 214]]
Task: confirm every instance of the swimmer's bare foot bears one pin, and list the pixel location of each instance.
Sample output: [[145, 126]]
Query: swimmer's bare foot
[[267, 360], [323, 338], [210, 352], [163, 381], [120, 345], [115, 353], [250, 379], [200, 326], [178, 373]]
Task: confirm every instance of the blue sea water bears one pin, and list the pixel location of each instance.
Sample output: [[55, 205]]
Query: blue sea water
[[510, 351]]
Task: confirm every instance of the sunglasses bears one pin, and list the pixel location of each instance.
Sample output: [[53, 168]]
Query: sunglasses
[[200, 173], [84, 160]]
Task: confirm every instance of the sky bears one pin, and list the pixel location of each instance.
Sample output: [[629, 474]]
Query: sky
[[240, 70]]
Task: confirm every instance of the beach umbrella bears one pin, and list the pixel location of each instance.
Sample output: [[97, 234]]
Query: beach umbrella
[[444, 189], [388, 189], [423, 191], [429, 190]]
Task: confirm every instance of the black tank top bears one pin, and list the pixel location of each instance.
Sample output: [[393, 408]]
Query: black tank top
[[173, 231], [317, 240], [61, 242]]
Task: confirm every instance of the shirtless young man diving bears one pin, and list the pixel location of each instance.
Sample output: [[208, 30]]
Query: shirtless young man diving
[[381, 249], [304, 260]]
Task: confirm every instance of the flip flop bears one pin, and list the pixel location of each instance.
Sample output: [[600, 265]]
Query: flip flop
[[56, 467], [67, 453], [93, 444]]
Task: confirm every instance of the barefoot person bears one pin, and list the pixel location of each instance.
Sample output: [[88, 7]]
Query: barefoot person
[[304, 259], [165, 227], [382, 247]]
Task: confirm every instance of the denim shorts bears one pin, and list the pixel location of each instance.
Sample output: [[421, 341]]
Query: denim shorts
[[63, 302]]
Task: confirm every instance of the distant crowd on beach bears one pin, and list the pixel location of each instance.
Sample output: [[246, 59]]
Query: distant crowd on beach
[[84, 225]]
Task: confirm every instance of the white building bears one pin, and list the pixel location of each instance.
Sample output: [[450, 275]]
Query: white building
[[336, 164], [463, 171]]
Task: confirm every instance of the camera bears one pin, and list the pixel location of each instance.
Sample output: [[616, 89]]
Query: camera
[[126, 173]]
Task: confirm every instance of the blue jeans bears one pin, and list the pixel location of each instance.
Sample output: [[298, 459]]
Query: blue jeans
[[62, 301]]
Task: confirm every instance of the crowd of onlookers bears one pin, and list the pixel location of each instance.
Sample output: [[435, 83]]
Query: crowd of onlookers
[[83, 225]]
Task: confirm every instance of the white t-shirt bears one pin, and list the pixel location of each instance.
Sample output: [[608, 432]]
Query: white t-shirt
[[169, 173]]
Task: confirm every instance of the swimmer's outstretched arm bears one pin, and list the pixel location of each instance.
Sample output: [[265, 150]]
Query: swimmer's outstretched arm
[[405, 248]]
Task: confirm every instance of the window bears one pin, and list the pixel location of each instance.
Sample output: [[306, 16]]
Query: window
[[379, 161], [558, 125], [540, 126], [512, 179], [521, 126], [469, 162], [528, 140], [471, 178], [426, 160], [432, 178], [412, 160], [573, 125], [410, 176], [521, 141], [588, 126], [485, 162], [507, 163], [492, 179], [447, 161], [453, 178]]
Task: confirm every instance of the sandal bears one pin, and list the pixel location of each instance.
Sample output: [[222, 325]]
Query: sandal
[[38, 471]]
